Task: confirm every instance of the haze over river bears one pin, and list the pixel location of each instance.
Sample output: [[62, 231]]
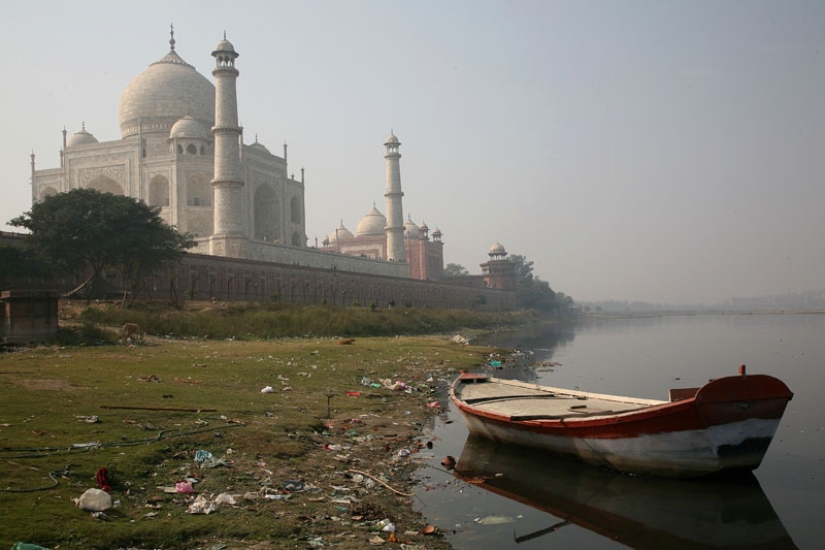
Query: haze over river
[[533, 503]]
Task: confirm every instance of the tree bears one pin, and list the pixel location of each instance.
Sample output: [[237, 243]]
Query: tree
[[455, 270], [17, 262], [533, 292], [86, 230]]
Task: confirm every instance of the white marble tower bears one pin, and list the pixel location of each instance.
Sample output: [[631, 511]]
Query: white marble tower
[[395, 216], [229, 237]]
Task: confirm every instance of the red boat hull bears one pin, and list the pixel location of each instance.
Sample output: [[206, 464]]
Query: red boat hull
[[727, 425]]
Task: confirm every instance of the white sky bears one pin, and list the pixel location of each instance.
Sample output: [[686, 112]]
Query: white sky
[[668, 151]]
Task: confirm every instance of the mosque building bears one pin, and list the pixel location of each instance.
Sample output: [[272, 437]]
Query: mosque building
[[181, 150]]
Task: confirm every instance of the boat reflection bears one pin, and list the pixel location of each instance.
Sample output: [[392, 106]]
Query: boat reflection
[[638, 512]]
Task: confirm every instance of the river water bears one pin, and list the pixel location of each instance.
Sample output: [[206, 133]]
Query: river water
[[530, 502]]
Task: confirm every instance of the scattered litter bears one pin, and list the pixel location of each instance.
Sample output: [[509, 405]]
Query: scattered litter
[[26, 546], [100, 515], [354, 393], [377, 541], [184, 487], [207, 460], [202, 506], [150, 378], [94, 500], [497, 520], [460, 340], [293, 485], [225, 499], [88, 419], [102, 480], [267, 389]]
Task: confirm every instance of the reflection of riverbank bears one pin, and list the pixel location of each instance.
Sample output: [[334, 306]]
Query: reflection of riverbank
[[635, 511], [543, 336]]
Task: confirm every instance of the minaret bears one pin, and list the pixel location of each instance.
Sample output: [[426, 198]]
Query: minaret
[[395, 217], [229, 235]]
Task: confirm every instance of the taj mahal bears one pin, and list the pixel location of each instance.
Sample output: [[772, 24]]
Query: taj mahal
[[182, 151]]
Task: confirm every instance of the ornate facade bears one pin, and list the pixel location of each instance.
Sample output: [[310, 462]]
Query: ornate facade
[[181, 150]]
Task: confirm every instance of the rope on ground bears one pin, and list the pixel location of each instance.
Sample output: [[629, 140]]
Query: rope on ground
[[397, 492], [54, 474]]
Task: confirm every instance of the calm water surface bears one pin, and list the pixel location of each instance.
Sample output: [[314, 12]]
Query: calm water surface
[[782, 505]]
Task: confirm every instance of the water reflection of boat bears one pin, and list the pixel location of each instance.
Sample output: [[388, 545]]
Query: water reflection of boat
[[727, 424], [639, 512]]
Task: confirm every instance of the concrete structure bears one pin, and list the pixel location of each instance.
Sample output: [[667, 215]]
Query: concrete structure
[[28, 316]]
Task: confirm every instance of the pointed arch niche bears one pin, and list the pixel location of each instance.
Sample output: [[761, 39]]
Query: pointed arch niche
[[105, 184], [159, 191], [265, 214]]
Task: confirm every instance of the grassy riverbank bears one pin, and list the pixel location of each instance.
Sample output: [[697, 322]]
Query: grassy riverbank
[[294, 459]]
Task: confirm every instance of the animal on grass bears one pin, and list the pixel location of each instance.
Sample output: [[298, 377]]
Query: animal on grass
[[346, 341], [132, 330]]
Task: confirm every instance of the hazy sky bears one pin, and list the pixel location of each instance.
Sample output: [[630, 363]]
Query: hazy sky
[[663, 150]]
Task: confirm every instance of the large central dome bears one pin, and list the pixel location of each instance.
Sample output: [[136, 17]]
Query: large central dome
[[165, 92]]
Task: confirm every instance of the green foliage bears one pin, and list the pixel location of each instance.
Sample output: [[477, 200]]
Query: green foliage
[[455, 270], [534, 293], [16, 262], [252, 321], [88, 334], [84, 230]]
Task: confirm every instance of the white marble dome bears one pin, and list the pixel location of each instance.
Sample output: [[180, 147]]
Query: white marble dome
[[81, 137], [340, 233], [165, 92], [371, 224], [411, 229], [497, 249], [188, 127]]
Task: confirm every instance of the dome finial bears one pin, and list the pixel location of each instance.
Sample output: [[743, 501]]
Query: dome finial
[[171, 37], [224, 34]]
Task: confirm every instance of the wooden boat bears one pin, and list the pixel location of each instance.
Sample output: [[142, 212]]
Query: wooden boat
[[727, 424], [636, 511]]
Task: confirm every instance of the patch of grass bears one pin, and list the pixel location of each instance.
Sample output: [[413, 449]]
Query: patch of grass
[[248, 321], [158, 402]]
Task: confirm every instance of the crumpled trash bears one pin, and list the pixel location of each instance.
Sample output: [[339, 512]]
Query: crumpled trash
[[207, 460], [225, 499], [202, 505], [184, 487], [267, 389], [26, 546], [94, 500], [386, 525], [293, 485]]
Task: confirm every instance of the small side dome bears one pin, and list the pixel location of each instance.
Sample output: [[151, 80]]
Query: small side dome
[[225, 46], [392, 139], [340, 233], [188, 127], [81, 137], [423, 227], [437, 232], [497, 249], [411, 229], [371, 224], [257, 146]]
